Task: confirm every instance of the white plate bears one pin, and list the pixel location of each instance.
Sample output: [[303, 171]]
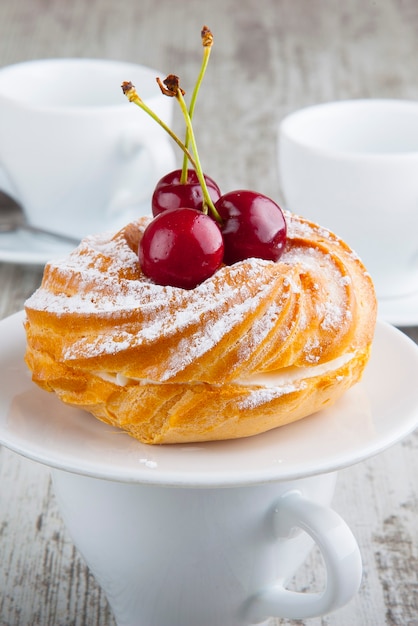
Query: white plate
[[375, 414]]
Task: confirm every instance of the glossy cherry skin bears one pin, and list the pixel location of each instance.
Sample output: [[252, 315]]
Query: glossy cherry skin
[[181, 247], [253, 226], [169, 193]]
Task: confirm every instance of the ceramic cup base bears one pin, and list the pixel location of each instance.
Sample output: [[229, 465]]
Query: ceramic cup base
[[170, 556]]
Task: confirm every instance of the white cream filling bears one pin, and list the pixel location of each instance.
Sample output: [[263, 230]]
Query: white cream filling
[[291, 375], [285, 377]]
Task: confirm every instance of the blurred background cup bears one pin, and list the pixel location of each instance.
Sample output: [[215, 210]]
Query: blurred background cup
[[352, 166], [74, 151]]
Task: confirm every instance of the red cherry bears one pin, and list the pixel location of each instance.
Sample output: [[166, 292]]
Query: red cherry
[[170, 193], [181, 247], [253, 226]]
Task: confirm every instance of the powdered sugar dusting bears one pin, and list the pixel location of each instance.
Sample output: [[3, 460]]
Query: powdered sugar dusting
[[331, 307], [102, 278]]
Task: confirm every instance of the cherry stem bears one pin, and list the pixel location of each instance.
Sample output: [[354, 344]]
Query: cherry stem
[[132, 95], [207, 41], [207, 204]]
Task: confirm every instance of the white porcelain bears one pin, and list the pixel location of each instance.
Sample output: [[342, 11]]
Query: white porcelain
[[74, 152], [170, 556], [209, 534], [352, 166], [26, 248]]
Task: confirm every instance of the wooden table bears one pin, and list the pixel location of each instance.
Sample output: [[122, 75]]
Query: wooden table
[[270, 57]]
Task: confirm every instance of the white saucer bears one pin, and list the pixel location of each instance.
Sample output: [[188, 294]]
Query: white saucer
[[23, 247], [402, 311], [375, 414], [26, 248]]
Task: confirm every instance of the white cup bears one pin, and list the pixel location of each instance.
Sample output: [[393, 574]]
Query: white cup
[[352, 166], [75, 153], [179, 556]]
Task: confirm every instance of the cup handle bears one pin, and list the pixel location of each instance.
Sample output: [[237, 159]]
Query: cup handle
[[160, 150], [340, 553], [162, 160], [6, 185]]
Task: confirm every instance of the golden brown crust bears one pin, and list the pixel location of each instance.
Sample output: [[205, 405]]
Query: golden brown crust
[[169, 365]]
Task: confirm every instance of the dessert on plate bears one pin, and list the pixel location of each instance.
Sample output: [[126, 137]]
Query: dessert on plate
[[220, 316]]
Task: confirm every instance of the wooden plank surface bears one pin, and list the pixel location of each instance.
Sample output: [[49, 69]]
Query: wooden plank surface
[[270, 57]]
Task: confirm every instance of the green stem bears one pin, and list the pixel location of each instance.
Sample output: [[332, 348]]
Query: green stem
[[208, 204], [205, 61], [133, 97]]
